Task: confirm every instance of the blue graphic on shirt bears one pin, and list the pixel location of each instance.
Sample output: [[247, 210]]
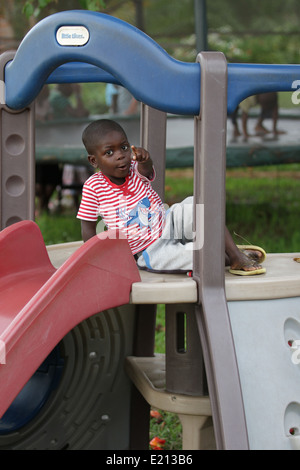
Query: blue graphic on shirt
[[140, 214]]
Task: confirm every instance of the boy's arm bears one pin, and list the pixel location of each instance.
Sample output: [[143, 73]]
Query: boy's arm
[[88, 229], [145, 164]]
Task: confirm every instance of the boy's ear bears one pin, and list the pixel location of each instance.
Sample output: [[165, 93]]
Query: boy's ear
[[92, 160]]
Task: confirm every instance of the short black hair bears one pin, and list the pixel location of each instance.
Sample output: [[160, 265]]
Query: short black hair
[[95, 131]]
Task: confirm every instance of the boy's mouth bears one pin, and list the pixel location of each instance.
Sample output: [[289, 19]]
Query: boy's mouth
[[123, 167]]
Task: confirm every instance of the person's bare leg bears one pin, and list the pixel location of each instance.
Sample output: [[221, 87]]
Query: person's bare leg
[[260, 129]]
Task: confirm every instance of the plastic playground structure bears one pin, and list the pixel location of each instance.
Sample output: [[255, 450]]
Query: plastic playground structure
[[77, 321]]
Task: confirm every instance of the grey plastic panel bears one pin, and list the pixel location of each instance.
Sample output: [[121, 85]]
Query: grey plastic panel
[[17, 160], [269, 364], [185, 371]]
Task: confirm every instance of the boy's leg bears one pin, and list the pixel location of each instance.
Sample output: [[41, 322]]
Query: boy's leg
[[173, 250], [165, 255]]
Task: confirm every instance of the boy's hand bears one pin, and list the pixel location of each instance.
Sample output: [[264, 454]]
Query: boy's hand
[[140, 155]]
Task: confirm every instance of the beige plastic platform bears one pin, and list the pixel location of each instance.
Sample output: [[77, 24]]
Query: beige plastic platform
[[281, 280], [148, 375]]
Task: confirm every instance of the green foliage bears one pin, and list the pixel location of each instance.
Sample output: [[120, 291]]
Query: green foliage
[[246, 15], [245, 30], [93, 96], [93, 5], [35, 7], [268, 49], [169, 19], [257, 32]]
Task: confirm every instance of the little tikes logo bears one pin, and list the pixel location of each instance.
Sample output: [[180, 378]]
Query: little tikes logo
[[72, 35]]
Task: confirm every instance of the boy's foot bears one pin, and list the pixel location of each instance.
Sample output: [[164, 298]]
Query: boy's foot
[[246, 267], [256, 253]]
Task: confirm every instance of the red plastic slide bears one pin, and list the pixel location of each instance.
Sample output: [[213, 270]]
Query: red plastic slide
[[39, 305]]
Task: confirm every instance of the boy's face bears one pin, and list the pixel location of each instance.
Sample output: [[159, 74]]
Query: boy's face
[[113, 157]]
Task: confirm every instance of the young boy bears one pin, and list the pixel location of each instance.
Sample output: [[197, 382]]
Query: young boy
[[121, 193]]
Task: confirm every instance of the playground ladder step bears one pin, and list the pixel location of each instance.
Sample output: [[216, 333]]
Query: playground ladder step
[[148, 375]]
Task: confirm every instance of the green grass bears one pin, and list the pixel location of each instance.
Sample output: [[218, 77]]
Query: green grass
[[160, 330], [262, 206], [59, 228], [285, 100], [167, 428], [262, 203]]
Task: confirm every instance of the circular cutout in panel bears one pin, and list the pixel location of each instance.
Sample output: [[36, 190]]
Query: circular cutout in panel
[[13, 220], [15, 144], [15, 185]]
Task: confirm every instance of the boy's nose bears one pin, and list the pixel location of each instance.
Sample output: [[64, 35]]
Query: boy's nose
[[120, 155]]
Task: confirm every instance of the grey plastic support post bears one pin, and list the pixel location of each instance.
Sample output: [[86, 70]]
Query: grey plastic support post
[[17, 159], [153, 138], [212, 312]]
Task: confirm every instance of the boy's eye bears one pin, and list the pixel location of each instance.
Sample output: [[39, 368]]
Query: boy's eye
[[125, 147], [108, 152]]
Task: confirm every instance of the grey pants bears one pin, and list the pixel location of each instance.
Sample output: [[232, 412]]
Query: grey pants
[[173, 251]]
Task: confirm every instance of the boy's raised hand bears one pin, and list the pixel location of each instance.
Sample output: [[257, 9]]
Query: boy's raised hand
[[139, 154], [142, 157]]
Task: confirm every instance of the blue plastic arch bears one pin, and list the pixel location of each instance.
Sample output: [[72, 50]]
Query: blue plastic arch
[[119, 53], [121, 50]]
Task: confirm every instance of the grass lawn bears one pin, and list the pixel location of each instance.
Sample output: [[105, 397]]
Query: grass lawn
[[262, 203], [262, 206]]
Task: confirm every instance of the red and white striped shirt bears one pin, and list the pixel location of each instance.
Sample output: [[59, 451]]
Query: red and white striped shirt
[[133, 207]]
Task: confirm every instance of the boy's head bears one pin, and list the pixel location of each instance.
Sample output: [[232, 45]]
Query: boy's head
[[96, 131], [108, 148]]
